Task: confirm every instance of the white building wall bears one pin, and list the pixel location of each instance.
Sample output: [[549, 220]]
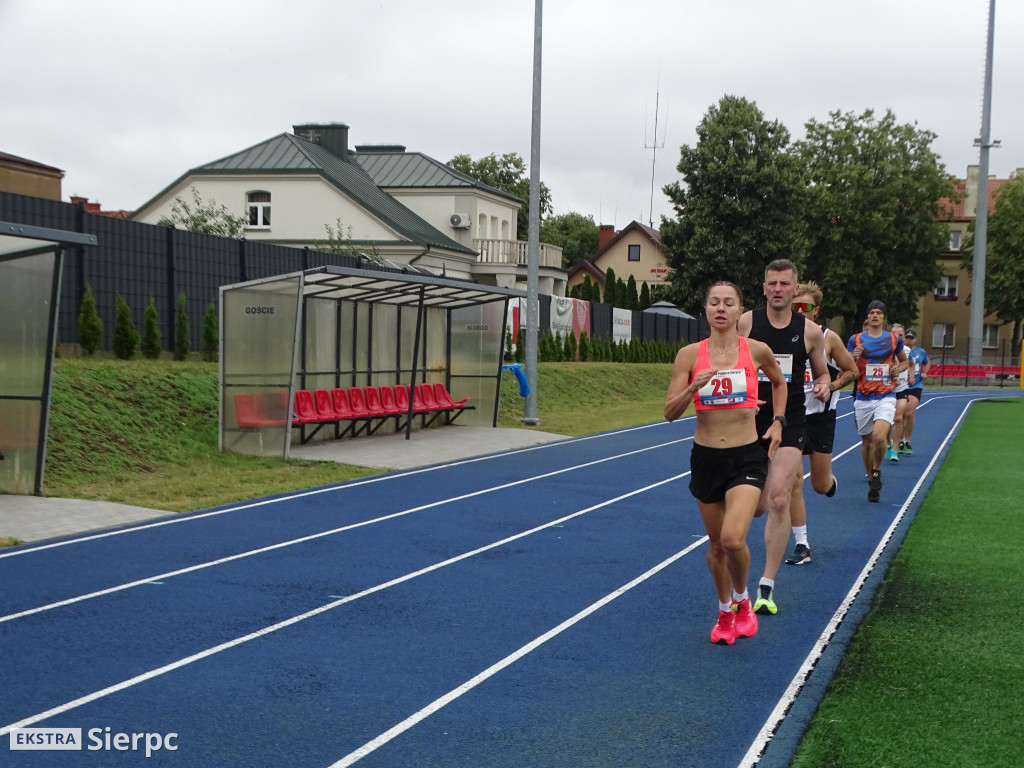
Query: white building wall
[[300, 207]]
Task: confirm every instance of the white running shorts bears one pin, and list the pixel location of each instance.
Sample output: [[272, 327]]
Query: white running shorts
[[866, 412]]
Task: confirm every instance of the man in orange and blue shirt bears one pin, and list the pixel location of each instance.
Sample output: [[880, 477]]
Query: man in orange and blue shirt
[[880, 358]]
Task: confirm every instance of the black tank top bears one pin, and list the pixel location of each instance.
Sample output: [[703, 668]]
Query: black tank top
[[783, 341]]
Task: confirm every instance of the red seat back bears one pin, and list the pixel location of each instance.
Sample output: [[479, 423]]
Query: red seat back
[[305, 408], [387, 400], [274, 405], [371, 396], [402, 397], [246, 414], [442, 396], [324, 406], [339, 399], [417, 400], [357, 403], [445, 399], [427, 396]]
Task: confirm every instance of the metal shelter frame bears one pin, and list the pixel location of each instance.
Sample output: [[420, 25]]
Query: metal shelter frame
[[333, 322], [31, 260]]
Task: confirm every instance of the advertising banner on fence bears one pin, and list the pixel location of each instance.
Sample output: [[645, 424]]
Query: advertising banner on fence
[[570, 316], [622, 321]]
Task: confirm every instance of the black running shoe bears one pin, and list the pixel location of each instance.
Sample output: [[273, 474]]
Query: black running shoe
[[801, 554], [875, 486]]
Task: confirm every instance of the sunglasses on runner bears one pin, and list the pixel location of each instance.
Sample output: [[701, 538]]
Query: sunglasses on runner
[[803, 306]]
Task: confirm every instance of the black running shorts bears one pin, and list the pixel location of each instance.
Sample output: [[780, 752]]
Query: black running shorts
[[821, 432], [713, 471], [794, 434]]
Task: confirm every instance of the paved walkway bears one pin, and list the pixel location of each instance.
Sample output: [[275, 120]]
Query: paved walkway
[[35, 518]]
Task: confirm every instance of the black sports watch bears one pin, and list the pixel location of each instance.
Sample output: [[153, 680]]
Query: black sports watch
[[780, 419]]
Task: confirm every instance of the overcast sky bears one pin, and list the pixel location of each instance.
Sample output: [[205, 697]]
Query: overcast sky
[[126, 95]]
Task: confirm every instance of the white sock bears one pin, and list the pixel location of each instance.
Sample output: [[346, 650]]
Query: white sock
[[800, 532], [738, 598], [724, 606], [770, 583]]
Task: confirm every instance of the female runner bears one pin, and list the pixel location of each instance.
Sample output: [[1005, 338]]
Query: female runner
[[728, 463]]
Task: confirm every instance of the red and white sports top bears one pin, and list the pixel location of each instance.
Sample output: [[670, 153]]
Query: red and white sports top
[[735, 388]]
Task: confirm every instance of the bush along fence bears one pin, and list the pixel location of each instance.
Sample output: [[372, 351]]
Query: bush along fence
[[143, 264]]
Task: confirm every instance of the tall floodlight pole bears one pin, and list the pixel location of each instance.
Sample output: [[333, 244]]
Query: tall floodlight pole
[[977, 327], [533, 233]]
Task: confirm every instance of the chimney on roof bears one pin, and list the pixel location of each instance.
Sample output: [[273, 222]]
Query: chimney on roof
[[331, 136], [605, 234]]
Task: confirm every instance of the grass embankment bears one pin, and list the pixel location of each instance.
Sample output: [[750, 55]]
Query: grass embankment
[[145, 432], [933, 676]]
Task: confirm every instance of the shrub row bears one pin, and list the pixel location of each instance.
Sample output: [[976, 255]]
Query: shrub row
[[127, 340]]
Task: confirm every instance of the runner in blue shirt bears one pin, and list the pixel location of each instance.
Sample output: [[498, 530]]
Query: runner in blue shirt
[[921, 365]]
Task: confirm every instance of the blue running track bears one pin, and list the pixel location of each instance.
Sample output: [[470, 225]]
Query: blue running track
[[549, 606]]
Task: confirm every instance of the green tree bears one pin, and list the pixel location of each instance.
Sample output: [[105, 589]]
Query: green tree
[[737, 207], [574, 233], [1004, 257], [151, 336], [509, 174], [645, 296], [90, 326], [873, 213], [610, 285], [211, 218], [211, 335], [126, 335], [182, 331], [632, 299], [339, 242]]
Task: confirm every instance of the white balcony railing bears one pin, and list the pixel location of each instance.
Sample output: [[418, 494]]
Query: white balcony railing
[[514, 253]]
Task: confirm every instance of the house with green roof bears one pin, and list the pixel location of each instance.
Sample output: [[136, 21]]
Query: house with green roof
[[404, 207]]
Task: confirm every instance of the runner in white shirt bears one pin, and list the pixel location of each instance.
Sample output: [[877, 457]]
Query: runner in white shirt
[[821, 421], [902, 393]]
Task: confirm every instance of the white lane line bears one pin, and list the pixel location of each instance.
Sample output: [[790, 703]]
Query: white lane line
[[764, 736], [348, 484], [512, 658], [124, 685], [313, 536]]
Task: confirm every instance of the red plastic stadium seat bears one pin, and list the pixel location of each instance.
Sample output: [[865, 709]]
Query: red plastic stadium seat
[[444, 397], [426, 393], [248, 415], [339, 399], [357, 403], [371, 396], [324, 405], [305, 407], [388, 401]]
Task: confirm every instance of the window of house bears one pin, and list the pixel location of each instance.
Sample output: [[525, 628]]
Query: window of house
[[946, 289], [634, 253], [954, 240], [944, 335], [259, 209], [990, 336]]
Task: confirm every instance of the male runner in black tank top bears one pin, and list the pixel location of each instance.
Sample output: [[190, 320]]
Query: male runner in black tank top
[[794, 342]]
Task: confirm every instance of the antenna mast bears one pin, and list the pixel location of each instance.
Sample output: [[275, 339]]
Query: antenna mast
[[655, 146]]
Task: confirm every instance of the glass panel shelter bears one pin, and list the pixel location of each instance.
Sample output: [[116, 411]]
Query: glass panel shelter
[[30, 272], [336, 328]]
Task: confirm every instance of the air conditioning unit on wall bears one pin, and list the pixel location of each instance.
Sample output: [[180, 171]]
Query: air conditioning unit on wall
[[459, 220]]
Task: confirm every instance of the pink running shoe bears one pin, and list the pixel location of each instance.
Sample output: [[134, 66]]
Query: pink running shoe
[[724, 630], [746, 619]]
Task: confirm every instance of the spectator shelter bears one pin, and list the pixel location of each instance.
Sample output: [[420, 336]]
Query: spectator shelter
[[30, 272], [337, 328]]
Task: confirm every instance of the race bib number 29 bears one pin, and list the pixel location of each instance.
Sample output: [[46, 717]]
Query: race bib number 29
[[724, 388]]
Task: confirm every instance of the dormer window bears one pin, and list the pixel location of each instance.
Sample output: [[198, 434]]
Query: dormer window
[[259, 209]]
